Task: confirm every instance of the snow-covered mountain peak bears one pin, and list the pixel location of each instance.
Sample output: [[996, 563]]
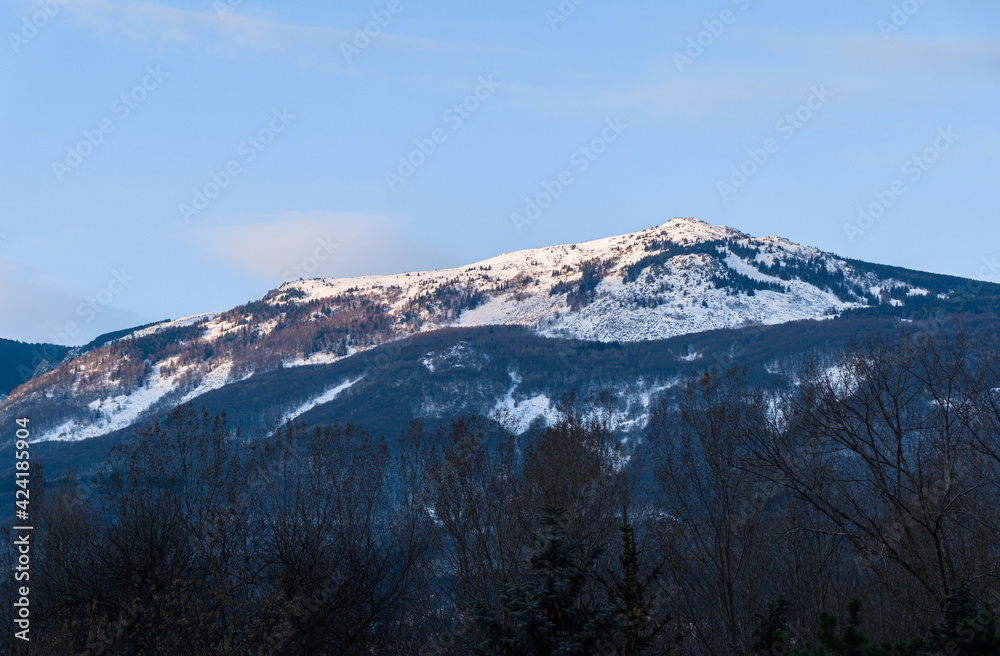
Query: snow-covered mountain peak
[[622, 249], [681, 277], [691, 230]]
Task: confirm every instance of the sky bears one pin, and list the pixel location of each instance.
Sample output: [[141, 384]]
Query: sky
[[164, 159]]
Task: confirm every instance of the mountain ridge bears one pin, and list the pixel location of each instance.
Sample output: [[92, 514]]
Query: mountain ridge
[[679, 278]]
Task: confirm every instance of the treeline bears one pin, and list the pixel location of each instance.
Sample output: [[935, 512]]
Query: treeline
[[579, 293], [855, 513]]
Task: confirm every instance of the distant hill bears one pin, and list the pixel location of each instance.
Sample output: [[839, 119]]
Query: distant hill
[[18, 361]]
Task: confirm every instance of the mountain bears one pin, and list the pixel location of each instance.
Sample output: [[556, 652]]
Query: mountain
[[20, 362], [630, 313]]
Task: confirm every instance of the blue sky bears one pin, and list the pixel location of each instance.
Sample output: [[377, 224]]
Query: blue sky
[[119, 119]]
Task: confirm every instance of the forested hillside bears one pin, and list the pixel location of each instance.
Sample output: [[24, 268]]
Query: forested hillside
[[746, 521]]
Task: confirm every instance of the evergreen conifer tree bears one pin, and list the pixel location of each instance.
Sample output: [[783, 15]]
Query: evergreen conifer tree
[[638, 633], [550, 613]]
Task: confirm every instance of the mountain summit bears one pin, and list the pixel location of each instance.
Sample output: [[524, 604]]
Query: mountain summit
[[680, 278]]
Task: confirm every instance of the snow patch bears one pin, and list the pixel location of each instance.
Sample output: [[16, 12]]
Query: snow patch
[[321, 357], [213, 380], [116, 412], [325, 397], [524, 412]]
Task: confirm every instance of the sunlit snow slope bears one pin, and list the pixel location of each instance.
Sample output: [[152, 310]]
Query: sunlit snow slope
[[682, 277]]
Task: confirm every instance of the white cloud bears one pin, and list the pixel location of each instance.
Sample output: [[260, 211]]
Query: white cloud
[[311, 245], [227, 33], [871, 50], [751, 67]]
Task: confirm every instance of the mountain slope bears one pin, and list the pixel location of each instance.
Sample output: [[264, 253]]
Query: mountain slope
[[440, 375], [19, 362], [681, 278]]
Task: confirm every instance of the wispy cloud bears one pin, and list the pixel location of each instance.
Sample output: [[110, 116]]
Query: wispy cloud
[[704, 96], [733, 78], [916, 52], [294, 245], [227, 33]]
